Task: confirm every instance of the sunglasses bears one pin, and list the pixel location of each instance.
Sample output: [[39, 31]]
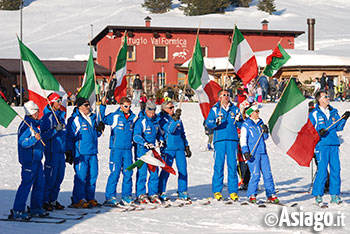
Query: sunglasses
[[325, 96], [225, 94], [170, 107], [151, 109], [59, 100], [86, 104], [126, 106]]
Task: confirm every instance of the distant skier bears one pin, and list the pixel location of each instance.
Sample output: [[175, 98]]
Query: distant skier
[[253, 135], [327, 149], [224, 118], [30, 153]]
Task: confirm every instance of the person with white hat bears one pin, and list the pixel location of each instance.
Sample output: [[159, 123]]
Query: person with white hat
[[30, 153], [53, 128], [253, 135]]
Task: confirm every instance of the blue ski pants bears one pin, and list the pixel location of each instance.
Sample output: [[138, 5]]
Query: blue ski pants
[[181, 164], [54, 169], [222, 150], [86, 171], [119, 160], [32, 175], [327, 155], [260, 163]]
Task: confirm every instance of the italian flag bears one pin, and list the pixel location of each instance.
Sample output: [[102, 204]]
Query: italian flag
[[7, 114], [290, 127], [88, 89], [198, 79], [276, 60], [242, 58], [41, 83], [120, 71], [147, 158]]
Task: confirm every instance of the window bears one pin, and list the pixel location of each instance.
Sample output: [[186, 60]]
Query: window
[[161, 80], [181, 78], [204, 51], [131, 53], [160, 53]]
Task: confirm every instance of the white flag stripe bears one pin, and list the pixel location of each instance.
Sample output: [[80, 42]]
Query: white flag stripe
[[244, 53]]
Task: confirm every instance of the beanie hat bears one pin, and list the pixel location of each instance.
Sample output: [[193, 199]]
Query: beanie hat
[[53, 97], [80, 101], [251, 109], [30, 108], [151, 106]]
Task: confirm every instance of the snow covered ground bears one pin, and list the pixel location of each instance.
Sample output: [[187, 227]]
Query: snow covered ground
[[213, 218], [61, 29]]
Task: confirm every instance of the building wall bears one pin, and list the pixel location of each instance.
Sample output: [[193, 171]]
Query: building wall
[[180, 49], [306, 75]]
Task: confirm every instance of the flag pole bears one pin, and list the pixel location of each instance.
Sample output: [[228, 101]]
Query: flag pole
[[30, 127], [335, 122], [48, 102], [228, 56], [189, 66]]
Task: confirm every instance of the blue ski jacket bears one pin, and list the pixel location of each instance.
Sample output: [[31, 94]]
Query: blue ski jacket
[[29, 148], [319, 120], [121, 128], [227, 130], [55, 141], [250, 133], [173, 132], [82, 137]]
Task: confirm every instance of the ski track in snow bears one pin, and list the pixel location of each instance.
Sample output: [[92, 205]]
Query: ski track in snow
[[213, 218]]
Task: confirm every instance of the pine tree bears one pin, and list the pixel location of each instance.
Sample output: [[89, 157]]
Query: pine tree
[[241, 3], [157, 6], [202, 7], [10, 5], [267, 5]]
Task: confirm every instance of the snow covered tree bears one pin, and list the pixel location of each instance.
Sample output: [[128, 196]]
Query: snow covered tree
[[157, 6], [10, 4], [267, 5], [241, 3], [202, 7]]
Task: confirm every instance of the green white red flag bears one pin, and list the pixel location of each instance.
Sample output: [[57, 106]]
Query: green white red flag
[[120, 72], [7, 114], [290, 127], [242, 58], [276, 60], [198, 79], [41, 83], [88, 89]]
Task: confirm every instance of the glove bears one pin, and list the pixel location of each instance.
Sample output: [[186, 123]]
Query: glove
[[323, 132], [161, 144], [264, 128], [247, 156], [346, 115], [69, 157], [188, 152], [100, 126], [218, 120], [148, 146], [59, 127], [177, 114], [238, 117]]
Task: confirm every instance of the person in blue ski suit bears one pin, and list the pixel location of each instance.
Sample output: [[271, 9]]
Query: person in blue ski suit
[[54, 136], [146, 132], [120, 143], [224, 117], [82, 143], [323, 118], [253, 135], [176, 147], [30, 154]]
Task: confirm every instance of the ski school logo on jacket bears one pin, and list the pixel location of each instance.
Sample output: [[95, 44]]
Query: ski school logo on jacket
[[333, 119]]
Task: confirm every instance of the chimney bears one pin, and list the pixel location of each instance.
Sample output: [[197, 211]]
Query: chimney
[[311, 34], [265, 24], [148, 21]]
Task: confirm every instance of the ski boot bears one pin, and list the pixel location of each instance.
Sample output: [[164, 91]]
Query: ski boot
[[335, 199], [111, 202], [234, 196], [209, 148], [47, 206], [19, 215], [252, 199], [318, 199], [94, 203], [218, 196], [164, 197], [183, 196], [56, 205], [273, 199], [154, 199], [143, 199], [127, 201], [38, 212], [81, 204]]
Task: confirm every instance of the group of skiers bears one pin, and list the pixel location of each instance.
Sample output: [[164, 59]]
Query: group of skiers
[[76, 143]]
